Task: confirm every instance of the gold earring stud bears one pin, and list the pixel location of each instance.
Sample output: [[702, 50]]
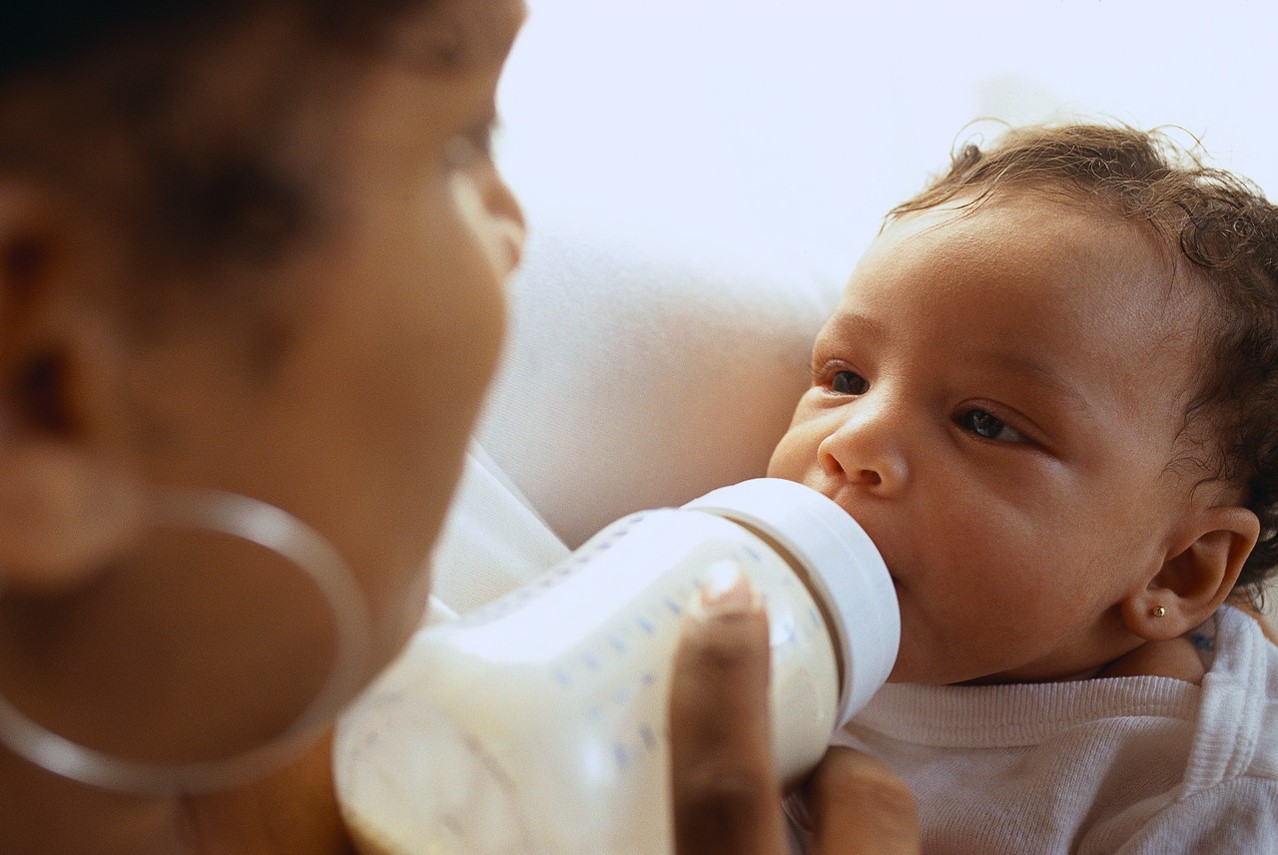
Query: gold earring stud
[[1159, 611]]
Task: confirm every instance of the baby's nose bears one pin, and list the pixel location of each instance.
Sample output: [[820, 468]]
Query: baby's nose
[[867, 451]]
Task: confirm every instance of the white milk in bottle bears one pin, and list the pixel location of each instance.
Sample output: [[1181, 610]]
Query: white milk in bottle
[[537, 724]]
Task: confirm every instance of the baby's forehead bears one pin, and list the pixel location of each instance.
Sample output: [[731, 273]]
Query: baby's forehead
[[1045, 273], [1050, 235], [1023, 215]]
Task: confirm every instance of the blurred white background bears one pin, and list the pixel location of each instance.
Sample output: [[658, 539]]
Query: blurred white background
[[779, 131], [770, 136]]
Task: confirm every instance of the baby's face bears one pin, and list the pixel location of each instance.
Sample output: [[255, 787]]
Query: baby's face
[[997, 400]]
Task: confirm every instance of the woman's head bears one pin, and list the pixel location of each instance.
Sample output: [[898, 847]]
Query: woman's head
[[250, 246], [1219, 234], [206, 125]]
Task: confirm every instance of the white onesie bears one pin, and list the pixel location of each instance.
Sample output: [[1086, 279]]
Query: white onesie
[[1121, 765]]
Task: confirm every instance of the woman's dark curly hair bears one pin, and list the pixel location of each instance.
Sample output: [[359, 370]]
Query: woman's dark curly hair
[[1221, 224], [36, 34], [100, 91]]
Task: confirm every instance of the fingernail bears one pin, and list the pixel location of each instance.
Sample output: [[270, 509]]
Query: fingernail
[[727, 591]]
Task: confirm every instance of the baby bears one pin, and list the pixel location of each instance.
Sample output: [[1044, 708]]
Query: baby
[[1050, 396]]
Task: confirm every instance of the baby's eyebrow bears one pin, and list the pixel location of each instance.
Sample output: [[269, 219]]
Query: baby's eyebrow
[[1043, 372], [853, 324]]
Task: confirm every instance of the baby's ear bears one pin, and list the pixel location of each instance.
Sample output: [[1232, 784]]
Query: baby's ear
[[1197, 575], [67, 503]]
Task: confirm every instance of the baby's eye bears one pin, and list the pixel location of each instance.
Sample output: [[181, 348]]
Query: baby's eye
[[990, 426], [848, 383]]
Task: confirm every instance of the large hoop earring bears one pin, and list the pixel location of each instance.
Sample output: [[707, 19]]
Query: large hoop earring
[[273, 529]]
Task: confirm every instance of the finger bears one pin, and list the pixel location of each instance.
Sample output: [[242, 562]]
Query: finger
[[859, 807], [724, 785]]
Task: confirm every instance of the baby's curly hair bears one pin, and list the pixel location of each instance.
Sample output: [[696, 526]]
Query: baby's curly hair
[[1220, 223]]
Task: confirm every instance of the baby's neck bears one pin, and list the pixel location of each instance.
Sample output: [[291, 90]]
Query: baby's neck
[[1176, 657]]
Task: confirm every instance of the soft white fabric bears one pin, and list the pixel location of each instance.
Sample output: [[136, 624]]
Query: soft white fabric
[[493, 540], [630, 380], [637, 380], [1130, 765]]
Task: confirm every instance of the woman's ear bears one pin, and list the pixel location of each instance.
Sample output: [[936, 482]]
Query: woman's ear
[[67, 502], [1197, 575]]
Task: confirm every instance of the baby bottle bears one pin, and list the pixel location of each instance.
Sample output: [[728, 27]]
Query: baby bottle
[[536, 725]]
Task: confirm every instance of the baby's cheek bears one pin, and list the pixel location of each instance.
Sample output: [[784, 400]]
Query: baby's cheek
[[777, 464], [967, 625], [793, 456]]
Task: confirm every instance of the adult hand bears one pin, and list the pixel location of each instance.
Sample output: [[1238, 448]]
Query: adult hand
[[726, 796]]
